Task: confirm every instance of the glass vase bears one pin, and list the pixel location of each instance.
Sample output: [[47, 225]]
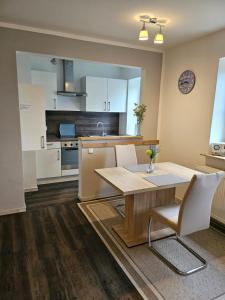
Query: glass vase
[[151, 167], [138, 129]]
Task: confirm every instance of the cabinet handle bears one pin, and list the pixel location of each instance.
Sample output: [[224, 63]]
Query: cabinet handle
[[58, 155], [105, 106], [109, 106], [42, 142], [54, 103]]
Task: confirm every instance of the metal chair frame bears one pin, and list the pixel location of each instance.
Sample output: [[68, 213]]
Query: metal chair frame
[[167, 262]]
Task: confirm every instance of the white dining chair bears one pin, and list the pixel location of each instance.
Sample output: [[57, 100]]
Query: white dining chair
[[192, 215], [125, 155]]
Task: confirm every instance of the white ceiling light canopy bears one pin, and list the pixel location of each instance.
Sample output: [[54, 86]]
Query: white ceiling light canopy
[[144, 35]]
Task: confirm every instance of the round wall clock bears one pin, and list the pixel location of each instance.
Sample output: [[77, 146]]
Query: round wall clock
[[186, 82]]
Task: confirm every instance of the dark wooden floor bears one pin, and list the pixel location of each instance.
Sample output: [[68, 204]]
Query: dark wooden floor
[[51, 252]]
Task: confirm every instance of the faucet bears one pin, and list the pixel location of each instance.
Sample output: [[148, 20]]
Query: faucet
[[103, 128]]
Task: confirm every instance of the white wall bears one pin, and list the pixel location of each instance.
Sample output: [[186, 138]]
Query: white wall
[[23, 68], [218, 120], [185, 120], [129, 73]]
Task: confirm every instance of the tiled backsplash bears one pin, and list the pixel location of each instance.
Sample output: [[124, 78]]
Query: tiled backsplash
[[85, 122]]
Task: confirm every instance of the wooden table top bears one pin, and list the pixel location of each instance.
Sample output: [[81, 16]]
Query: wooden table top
[[132, 183]]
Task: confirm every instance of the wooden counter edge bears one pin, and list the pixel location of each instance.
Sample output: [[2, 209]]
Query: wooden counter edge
[[109, 137], [112, 144]]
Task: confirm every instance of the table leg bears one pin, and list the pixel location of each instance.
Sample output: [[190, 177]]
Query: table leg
[[133, 230]]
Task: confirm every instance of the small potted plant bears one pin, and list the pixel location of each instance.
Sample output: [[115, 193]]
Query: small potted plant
[[151, 153], [139, 111]]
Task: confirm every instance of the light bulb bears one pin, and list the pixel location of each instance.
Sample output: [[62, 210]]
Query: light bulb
[[143, 34], [159, 38]]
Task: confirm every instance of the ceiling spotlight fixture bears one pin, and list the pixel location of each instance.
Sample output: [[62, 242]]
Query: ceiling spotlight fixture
[[143, 34], [159, 38]]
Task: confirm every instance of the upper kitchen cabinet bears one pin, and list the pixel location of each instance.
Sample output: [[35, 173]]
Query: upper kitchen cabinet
[[96, 89], [117, 95], [48, 81], [32, 117], [104, 94]]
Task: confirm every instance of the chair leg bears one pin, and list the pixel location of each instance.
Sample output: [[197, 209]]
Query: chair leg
[[149, 232], [168, 263]]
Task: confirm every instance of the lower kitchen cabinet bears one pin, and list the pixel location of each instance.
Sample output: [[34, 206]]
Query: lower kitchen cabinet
[[48, 162]]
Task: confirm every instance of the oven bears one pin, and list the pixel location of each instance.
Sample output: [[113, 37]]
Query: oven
[[69, 158]]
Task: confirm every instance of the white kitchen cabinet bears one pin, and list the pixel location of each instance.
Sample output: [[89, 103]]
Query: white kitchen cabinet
[[117, 95], [96, 89], [48, 162], [32, 117], [104, 94], [48, 81]]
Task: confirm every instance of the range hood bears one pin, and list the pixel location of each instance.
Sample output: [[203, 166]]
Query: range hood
[[68, 81]]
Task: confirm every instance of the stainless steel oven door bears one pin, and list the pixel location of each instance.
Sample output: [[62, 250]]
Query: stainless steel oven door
[[69, 158]]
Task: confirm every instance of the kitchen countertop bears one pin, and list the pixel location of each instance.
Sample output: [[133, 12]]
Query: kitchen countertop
[[53, 138]]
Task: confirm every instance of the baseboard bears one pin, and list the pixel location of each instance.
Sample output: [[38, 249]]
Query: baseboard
[[35, 189], [216, 218], [12, 211], [58, 179], [217, 225]]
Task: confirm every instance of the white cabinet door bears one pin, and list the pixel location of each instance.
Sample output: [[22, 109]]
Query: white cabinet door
[[96, 99], [48, 80], [48, 163], [117, 95], [32, 117]]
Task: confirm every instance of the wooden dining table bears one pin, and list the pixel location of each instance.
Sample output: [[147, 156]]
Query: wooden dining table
[[141, 195]]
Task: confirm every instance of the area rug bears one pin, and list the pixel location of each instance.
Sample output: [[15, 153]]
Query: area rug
[[151, 277]]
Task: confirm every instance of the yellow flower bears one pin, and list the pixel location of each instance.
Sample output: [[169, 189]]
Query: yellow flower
[[149, 152]]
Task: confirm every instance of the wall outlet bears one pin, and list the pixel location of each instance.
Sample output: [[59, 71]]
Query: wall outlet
[[90, 150]]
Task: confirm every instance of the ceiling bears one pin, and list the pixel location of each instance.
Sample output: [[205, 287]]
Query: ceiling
[[116, 20]]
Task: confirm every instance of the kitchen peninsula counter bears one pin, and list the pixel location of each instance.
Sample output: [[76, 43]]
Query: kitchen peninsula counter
[[54, 138]]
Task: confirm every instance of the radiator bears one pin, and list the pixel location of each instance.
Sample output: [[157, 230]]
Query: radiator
[[218, 205]]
